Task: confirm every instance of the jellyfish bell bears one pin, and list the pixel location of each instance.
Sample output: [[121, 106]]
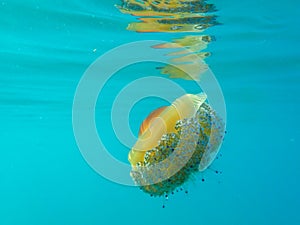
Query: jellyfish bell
[[175, 142], [146, 123], [162, 121]]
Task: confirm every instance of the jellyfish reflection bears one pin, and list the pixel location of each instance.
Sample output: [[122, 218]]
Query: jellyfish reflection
[[176, 16]]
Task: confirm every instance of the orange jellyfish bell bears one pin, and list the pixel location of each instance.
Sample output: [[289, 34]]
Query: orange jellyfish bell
[[146, 123], [162, 121], [174, 142]]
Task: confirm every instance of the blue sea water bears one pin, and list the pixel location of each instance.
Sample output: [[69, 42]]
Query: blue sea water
[[45, 48]]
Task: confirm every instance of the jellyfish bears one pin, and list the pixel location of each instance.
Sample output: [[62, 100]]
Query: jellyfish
[[174, 143]]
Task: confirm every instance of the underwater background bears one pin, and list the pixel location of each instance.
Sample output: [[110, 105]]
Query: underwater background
[[45, 48]]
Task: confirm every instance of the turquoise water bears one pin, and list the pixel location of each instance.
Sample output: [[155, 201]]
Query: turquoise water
[[45, 47]]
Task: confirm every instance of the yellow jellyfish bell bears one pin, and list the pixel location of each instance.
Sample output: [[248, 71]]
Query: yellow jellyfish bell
[[162, 121], [174, 142]]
